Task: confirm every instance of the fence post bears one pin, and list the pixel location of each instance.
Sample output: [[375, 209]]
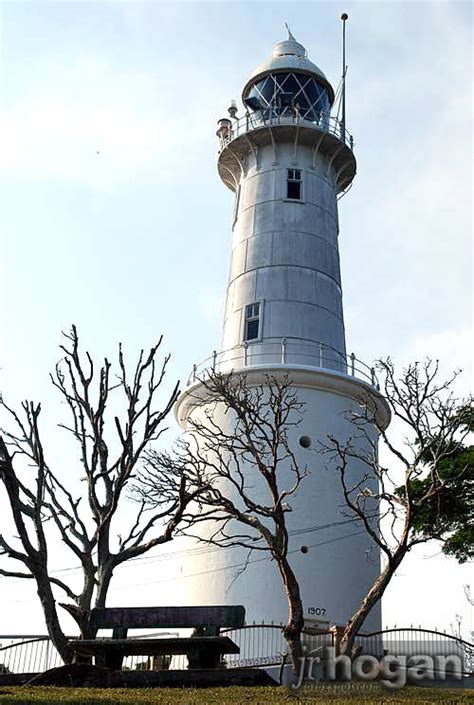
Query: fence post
[[283, 351], [372, 373], [353, 357], [246, 345], [336, 632], [214, 358], [46, 659], [194, 372]]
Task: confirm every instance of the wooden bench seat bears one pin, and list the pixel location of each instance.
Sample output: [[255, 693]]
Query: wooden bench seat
[[204, 648], [200, 650]]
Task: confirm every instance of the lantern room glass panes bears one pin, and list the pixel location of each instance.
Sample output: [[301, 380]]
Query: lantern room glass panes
[[280, 94]]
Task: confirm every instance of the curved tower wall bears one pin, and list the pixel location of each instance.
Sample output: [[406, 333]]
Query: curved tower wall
[[341, 562], [285, 256], [284, 315]]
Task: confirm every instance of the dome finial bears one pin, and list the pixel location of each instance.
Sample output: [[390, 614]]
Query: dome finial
[[289, 47], [290, 36]]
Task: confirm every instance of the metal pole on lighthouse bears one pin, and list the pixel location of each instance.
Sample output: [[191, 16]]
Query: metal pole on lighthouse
[[344, 17]]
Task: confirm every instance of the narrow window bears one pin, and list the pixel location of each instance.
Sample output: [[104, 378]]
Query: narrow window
[[237, 203], [252, 321], [293, 184]]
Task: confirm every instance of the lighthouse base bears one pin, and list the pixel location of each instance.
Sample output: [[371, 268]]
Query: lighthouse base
[[330, 552]]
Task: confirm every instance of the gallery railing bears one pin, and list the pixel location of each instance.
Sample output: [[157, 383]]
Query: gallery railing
[[269, 118], [285, 351]]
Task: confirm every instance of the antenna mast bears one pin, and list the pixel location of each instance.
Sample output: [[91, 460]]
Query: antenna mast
[[344, 17]]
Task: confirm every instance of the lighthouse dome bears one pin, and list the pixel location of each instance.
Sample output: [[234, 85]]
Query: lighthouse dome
[[289, 47], [287, 79]]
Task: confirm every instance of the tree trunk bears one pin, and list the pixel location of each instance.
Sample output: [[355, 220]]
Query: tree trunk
[[103, 584], [373, 596], [48, 603], [82, 618], [294, 627]]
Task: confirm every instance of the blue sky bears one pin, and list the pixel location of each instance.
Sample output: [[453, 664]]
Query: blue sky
[[113, 216]]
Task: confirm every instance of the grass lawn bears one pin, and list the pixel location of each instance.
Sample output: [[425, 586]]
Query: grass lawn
[[369, 694]]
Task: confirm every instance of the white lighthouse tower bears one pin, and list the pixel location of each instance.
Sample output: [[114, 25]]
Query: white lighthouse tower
[[287, 160]]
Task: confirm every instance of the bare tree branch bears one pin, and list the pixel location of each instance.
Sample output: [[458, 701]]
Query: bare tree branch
[[110, 457], [425, 407], [242, 473]]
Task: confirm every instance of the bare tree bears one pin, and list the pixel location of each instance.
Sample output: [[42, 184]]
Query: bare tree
[[41, 500], [468, 595], [244, 471], [412, 485], [457, 628]]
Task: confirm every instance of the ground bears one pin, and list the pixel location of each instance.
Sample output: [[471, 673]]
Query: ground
[[367, 694]]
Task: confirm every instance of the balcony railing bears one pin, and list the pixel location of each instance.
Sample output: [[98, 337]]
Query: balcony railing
[[285, 351], [231, 129]]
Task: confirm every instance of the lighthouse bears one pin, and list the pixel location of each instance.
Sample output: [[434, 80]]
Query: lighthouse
[[287, 159]]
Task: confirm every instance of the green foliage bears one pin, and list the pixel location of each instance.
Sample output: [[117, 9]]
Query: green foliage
[[444, 500]]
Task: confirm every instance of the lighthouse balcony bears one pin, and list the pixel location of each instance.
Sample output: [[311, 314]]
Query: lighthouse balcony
[[324, 134], [285, 352], [323, 122]]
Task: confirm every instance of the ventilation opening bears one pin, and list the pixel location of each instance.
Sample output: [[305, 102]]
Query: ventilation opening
[[305, 441]]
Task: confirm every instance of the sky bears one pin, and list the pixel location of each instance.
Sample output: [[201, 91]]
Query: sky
[[113, 216]]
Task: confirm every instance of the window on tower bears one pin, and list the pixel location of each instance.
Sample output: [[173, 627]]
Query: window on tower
[[293, 184], [236, 204], [252, 321]]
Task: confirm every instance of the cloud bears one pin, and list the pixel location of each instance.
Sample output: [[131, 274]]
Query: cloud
[[91, 125], [69, 142], [453, 348]]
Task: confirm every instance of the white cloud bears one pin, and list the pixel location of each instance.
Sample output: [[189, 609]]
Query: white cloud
[[453, 348], [91, 125], [93, 146]]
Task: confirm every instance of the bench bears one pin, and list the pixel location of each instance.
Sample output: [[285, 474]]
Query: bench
[[204, 648]]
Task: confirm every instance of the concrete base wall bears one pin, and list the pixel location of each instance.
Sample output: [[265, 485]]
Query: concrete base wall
[[341, 561]]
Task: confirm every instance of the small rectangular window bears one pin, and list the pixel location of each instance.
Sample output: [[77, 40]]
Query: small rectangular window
[[293, 184], [252, 321], [237, 203]]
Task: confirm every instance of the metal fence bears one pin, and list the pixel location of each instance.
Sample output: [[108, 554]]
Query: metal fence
[[35, 654], [27, 654], [260, 645], [412, 641], [265, 645]]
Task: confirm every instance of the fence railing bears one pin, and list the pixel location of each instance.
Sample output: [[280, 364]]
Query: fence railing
[[265, 645], [231, 129], [412, 641], [285, 351], [27, 654], [260, 645], [36, 654]]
